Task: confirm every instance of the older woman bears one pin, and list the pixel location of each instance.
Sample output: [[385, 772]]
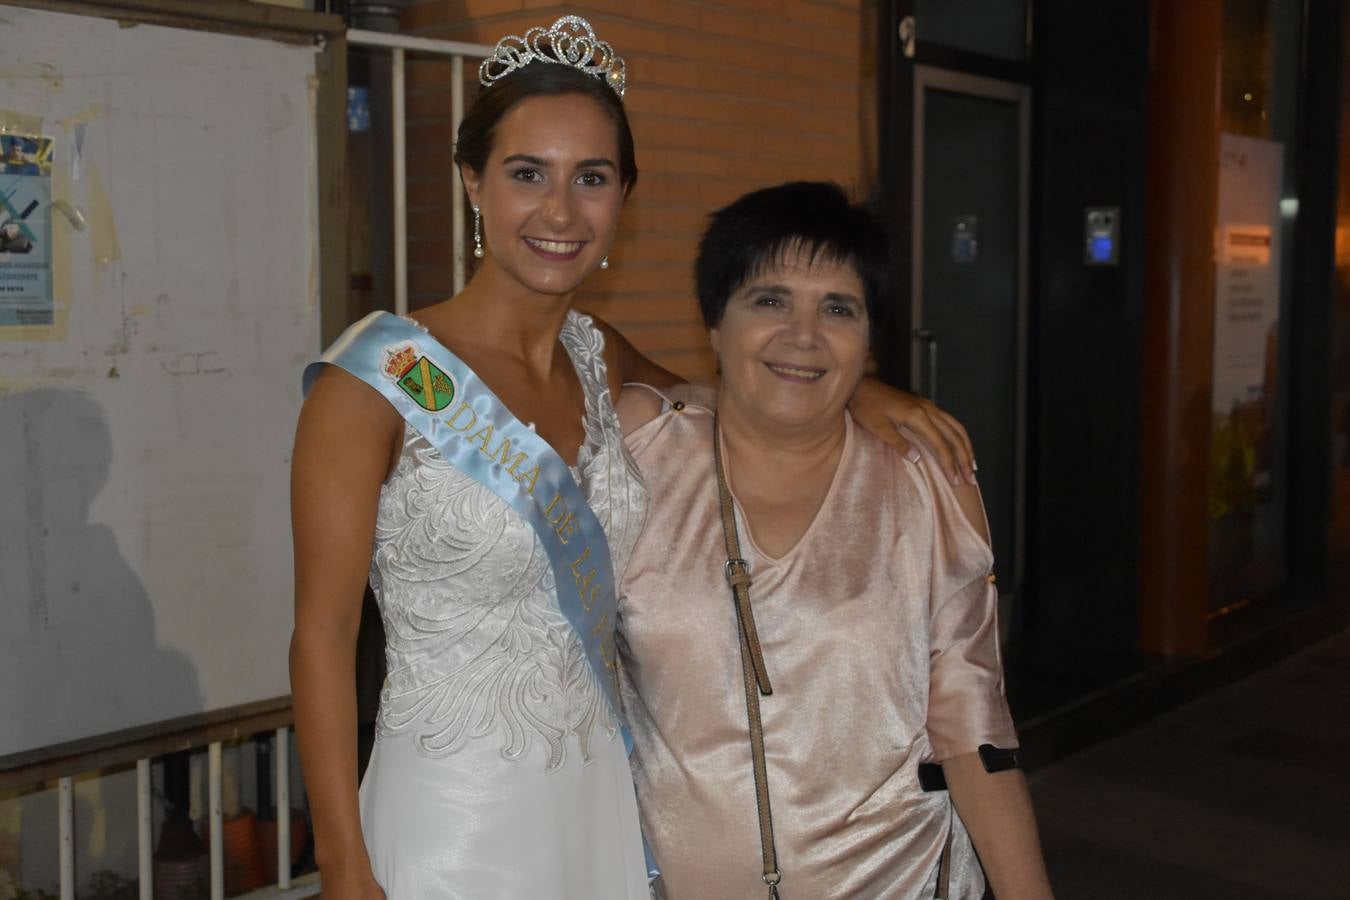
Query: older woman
[[782, 738]]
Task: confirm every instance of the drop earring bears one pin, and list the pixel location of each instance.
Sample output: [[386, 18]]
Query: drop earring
[[604, 261], [477, 234]]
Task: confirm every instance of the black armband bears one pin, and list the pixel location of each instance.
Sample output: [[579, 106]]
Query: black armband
[[931, 777], [996, 759]]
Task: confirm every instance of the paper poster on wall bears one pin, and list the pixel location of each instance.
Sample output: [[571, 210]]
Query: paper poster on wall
[[25, 230], [1247, 269], [1246, 355]]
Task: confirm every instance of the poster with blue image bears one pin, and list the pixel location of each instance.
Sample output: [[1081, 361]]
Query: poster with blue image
[[25, 230]]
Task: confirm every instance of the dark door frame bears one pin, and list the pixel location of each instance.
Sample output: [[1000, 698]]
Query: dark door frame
[[896, 59]]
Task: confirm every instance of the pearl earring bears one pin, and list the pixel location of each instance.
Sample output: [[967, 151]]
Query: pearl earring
[[477, 234], [604, 261]]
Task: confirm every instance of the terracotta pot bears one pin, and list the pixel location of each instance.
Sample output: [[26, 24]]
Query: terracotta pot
[[267, 842], [244, 870]]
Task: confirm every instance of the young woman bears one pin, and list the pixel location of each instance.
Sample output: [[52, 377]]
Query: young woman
[[477, 452]]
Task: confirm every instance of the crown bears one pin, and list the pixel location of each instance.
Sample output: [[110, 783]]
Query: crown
[[570, 41]]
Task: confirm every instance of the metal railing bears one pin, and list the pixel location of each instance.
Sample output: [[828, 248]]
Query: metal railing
[[456, 52], [107, 754]]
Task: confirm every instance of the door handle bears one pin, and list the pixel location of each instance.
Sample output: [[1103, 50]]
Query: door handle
[[908, 32], [930, 342]]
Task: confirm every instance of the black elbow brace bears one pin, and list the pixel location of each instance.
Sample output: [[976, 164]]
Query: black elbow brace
[[994, 759]]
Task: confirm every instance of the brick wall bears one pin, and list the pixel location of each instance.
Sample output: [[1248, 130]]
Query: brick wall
[[723, 98]]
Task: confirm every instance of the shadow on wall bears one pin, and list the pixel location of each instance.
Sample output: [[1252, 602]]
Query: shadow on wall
[[78, 650], [77, 619]]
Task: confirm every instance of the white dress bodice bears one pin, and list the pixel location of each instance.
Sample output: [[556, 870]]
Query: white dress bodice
[[491, 722]]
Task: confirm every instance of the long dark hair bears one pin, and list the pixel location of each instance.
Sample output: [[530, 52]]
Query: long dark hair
[[476, 130]]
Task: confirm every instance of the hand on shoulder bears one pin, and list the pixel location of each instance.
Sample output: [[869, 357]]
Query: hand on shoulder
[[882, 410]]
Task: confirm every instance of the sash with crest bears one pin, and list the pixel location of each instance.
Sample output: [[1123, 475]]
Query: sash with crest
[[450, 406]]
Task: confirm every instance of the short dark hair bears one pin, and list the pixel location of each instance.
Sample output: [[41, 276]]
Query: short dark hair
[[477, 129], [811, 217]]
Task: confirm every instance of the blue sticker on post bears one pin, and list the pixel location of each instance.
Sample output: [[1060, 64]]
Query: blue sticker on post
[[1101, 234]]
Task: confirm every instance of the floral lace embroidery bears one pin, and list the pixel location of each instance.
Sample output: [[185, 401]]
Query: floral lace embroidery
[[475, 643]]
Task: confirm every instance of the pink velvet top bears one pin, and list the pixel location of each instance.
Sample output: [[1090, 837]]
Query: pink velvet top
[[880, 636]]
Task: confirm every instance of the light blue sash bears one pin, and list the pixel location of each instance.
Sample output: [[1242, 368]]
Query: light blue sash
[[458, 414]]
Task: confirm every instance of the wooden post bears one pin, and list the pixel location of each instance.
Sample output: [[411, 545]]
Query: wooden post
[[1181, 211], [335, 308]]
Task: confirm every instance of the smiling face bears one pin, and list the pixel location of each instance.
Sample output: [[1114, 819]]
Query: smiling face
[[550, 192], [792, 344]]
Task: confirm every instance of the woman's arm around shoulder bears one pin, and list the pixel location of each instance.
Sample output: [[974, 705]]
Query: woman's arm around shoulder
[[627, 364], [345, 440], [882, 410], [877, 407]]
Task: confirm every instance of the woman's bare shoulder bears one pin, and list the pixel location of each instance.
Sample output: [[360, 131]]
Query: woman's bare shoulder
[[346, 425], [639, 404], [704, 395]]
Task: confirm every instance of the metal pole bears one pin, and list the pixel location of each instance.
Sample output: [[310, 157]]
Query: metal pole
[[283, 795], [145, 838], [66, 815], [216, 822], [400, 187], [457, 186]]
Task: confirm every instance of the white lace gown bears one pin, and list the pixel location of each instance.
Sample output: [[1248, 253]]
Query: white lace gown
[[498, 770]]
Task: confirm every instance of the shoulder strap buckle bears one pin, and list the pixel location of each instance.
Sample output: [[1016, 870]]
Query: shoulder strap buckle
[[737, 572]]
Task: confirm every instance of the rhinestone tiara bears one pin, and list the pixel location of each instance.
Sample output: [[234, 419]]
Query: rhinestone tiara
[[570, 41]]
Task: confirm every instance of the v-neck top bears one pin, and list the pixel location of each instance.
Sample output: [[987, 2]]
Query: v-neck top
[[879, 632], [746, 534]]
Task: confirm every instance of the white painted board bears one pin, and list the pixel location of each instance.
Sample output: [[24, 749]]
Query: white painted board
[[145, 562]]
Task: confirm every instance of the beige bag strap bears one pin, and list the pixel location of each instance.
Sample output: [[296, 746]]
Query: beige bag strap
[[752, 665]]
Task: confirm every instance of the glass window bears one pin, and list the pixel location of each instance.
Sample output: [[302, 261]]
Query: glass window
[[1253, 285]]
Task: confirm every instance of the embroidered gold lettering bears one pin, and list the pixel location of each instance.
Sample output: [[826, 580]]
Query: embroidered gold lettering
[[558, 504], [588, 593], [453, 421], [511, 463], [482, 438], [576, 571], [566, 528], [584, 589], [528, 480]]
